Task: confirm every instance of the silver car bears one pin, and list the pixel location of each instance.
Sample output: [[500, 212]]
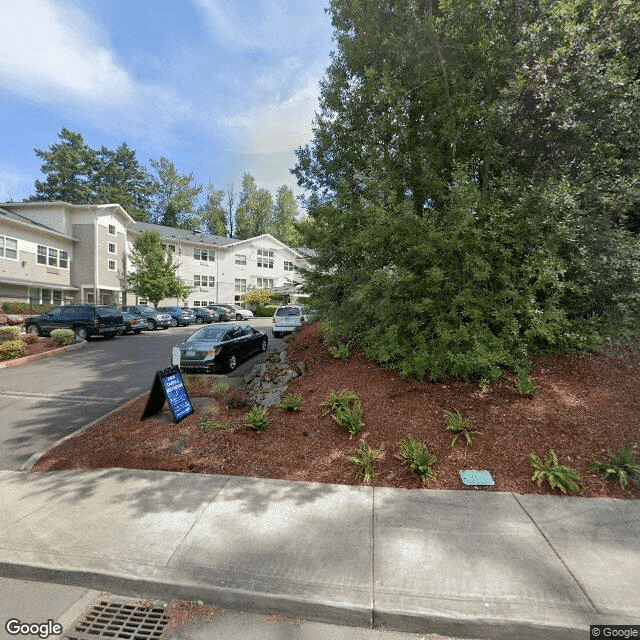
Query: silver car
[[288, 318]]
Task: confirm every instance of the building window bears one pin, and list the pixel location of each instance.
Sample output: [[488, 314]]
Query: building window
[[52, 257], [265, 259], [241, 260], [204, 281], [204, 255], [112, 265], [265, 283], [112, 247], [112, 229], [8, 248], [288, 266], [170, 248], [241, 285]]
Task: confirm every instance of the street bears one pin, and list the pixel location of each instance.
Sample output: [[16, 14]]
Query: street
[[46, 400]]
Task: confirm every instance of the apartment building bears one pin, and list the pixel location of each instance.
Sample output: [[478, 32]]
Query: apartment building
[[59, 253]]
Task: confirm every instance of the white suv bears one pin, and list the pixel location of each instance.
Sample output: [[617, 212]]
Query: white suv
[[288, 318]]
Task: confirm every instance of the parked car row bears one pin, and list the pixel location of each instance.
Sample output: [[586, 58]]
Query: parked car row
[[89, 320]]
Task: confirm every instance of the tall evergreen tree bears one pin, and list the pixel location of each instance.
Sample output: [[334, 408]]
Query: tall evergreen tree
[[254, 214], [212, 214], [284, 217]]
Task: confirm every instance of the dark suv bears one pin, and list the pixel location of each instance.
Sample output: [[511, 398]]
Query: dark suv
[[153, 317], [85, 320]]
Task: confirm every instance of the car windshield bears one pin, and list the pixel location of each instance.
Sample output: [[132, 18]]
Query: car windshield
[[108, 311], [288, 311], [209, 334], [147, 310]]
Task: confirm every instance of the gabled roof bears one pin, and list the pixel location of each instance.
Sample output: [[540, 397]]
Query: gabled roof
[[18, 218], [184, 235], [235, 242], [35, 204]]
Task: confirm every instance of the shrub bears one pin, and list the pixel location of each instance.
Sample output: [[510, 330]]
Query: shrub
[[417, 456], [29, 338], [364, 460], [11, 349], [349, 417], [265, 312], [557, 475], [459, 426], [62, 336], [623, 466], [340, 351], [291, 403], [222, 387], [525, 385], [337, 400], [257, 418], [9, 333]]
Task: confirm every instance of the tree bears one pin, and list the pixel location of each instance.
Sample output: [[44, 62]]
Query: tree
[[457, 212], [258, 297], [255, 209], [154, 277], [284, 217], [174, 195], [213, 214], [120, 178], [230, 203], [69, 166]]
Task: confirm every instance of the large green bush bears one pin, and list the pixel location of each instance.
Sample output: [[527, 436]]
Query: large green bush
[[10, 332], [265, 312], [11, 349], [62, 336]]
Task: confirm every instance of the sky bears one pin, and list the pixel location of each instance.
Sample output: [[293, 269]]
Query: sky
[[219, 87]]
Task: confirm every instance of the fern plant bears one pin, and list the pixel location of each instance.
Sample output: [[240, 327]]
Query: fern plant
[[458, 426], [340, 351], [558, 476], [622, 466], [525, 385], [337, 400], [257, 418], [417, 456], [208, 425], [364, 460], [349, 417], [291, 403]]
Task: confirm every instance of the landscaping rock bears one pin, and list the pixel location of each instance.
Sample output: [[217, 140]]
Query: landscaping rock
[[268, 382], [14, 319]]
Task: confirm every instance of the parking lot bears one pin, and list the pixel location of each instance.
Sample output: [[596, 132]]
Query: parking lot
[[46, 400]]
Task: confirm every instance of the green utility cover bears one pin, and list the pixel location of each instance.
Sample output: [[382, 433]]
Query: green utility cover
[[476, 478]]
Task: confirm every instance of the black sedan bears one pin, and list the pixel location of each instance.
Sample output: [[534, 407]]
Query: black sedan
[[219, 347]]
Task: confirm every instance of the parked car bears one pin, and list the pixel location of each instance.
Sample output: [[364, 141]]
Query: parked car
[[179, 316], [133, 323], [236, 312], [85, 320], [287, 318], [204, 314], [155, 319], [224, 313], [219, 347]]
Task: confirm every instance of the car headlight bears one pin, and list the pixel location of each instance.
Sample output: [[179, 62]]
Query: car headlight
[[212, 353]]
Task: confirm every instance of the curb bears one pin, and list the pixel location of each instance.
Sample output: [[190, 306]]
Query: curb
[[40, 356], [28, 465]]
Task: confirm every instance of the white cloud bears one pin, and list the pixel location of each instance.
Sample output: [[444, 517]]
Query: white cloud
[[53, 53], [13, 184]]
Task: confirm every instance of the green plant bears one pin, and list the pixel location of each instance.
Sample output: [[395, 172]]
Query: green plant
[[201, 381], [291, 403], [349, 417], [623, 466], [62, 336], [29, 338], [337, 400], [340, 351], [364, 460], [257, 418], [221, 387], [558, 476], [417, 456], [9, 333], [208, 425], [459, 426], [11, 349], [483, 384], [525, 385]]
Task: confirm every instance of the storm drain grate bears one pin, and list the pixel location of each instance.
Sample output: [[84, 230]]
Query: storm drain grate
[[119, 621]]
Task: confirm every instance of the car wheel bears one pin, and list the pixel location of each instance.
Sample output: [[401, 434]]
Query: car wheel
[[138, 332], [199, 320], [121, 332], [81, 333], [276, 334], [174, 322], [109, 336], [232, 362], [152, 324], [263, 344], [238, 316], [33, 329]]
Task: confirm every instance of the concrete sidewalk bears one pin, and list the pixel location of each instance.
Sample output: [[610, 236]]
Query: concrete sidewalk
[[459, 563]]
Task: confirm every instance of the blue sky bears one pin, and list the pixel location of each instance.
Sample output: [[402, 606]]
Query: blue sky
[[220, 87]]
